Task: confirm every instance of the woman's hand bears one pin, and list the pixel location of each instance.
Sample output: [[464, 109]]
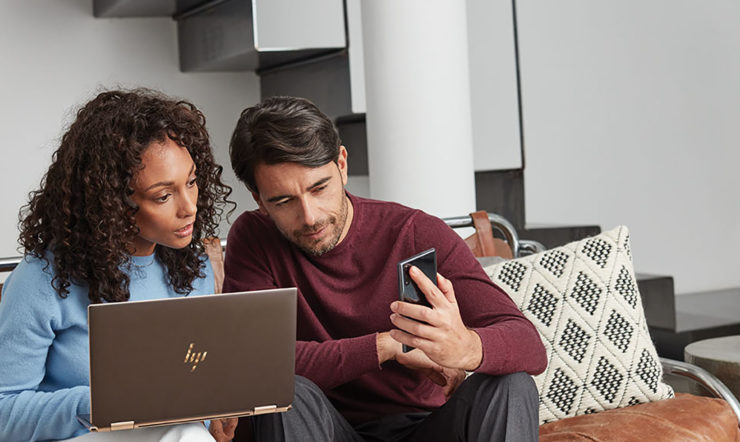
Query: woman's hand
[[223, 429]]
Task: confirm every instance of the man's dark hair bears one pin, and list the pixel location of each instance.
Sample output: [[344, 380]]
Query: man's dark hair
[[282, 130]]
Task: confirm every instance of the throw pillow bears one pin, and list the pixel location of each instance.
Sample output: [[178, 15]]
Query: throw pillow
[[584, 301]]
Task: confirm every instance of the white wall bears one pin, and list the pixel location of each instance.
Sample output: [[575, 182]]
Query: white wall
[[493, 88], [631, 113], [632, 116], [55, 56]]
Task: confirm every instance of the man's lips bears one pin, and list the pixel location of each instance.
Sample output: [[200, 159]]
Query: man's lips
[[185, 231], [314, 235]]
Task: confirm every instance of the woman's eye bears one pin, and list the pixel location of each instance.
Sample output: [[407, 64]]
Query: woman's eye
[[192, 182], [163, 198]]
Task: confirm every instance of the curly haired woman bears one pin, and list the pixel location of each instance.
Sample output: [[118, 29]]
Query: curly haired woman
[[119, 216]]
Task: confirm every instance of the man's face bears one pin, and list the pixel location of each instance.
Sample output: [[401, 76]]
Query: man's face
[[307, 204]]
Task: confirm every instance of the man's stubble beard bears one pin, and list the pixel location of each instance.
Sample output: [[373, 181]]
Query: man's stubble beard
[[337, 225]]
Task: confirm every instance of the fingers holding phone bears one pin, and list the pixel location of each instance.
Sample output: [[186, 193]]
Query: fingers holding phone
[[408, 287], [434, 326]]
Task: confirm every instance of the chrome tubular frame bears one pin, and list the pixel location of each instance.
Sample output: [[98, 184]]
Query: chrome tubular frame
[[703, 378], [8, 264]]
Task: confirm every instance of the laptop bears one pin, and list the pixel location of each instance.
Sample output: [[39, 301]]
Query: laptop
[[178, 360]]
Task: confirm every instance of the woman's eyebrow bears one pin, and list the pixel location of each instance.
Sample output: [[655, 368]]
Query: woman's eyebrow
[[168, 183]]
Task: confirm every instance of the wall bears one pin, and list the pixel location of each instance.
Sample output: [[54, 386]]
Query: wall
[[631, 116], [493, 89], [56, 56]]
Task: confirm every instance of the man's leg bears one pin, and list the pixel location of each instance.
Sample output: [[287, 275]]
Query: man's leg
[[312, 418], [391, 428], [486, 408]]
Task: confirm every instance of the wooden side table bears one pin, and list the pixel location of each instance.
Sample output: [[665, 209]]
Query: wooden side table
[[719, 356]]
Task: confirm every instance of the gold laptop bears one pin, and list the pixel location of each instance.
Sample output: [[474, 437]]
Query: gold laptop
[[179, 360]]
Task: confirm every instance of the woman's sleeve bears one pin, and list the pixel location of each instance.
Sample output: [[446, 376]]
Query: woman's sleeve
[[27, 317]]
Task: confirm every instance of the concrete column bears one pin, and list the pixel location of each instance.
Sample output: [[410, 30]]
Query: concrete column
[[420, 145]]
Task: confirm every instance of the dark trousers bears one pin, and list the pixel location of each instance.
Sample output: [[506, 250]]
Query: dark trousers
[[484, 408]]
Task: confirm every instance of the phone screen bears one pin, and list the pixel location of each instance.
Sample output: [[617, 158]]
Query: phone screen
[[408, 291]]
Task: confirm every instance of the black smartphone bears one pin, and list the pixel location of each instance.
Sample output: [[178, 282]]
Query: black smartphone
[[408, 291]]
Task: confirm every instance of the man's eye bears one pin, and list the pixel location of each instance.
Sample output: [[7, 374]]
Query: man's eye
[[319, 189]]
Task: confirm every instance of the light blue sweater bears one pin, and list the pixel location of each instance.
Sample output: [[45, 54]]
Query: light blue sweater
[[44, 363]]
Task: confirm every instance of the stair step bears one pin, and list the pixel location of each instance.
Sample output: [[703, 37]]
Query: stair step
[[658, 300], [710, 309], [501, 192], [323, 80], [552, 236], [353, 133], [138, 8], [697, 316]]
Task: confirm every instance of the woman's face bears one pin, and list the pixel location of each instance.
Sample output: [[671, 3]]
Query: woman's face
[[167, 194]]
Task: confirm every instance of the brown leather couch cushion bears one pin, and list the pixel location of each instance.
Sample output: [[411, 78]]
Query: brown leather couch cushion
[[683, 418]]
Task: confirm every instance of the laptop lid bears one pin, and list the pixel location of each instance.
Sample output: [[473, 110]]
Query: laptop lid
[[192, 358]]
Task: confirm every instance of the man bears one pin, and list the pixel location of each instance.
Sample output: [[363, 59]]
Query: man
[[341, 252]]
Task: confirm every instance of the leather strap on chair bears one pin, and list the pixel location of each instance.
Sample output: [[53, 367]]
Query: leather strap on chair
[[216, 254], [482, 242]]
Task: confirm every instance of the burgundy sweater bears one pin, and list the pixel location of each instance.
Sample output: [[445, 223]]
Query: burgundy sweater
[[344, 300]]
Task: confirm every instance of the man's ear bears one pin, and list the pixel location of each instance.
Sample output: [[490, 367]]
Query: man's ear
[[342, 164], [261, 206]]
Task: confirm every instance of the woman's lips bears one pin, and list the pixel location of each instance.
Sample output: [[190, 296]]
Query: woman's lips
[[185, 231]]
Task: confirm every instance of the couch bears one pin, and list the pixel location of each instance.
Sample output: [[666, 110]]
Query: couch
[[603, 381], [679, 417]]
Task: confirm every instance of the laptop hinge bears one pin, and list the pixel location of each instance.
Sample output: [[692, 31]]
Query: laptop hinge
[[128, 425], [265, 409]]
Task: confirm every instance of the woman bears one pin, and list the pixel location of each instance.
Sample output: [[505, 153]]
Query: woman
[[119, 216]]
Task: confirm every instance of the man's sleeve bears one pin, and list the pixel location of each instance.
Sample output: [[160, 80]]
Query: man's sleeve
[[328, 363], [510, 341]]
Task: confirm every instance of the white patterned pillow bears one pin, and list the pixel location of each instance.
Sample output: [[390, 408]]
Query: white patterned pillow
[[584, 301]]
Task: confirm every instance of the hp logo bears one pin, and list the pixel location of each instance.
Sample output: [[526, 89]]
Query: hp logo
[[194, 358]]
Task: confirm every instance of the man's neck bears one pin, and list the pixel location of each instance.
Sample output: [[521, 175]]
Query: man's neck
[[350, 217]]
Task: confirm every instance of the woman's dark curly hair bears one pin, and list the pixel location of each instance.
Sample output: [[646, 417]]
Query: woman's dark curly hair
[[83, 212]]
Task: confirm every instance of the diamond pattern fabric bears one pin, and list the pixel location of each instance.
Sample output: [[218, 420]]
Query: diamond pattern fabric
[[583, 299]]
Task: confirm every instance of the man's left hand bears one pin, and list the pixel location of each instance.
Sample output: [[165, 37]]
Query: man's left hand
[[448, 378], [438, 331]]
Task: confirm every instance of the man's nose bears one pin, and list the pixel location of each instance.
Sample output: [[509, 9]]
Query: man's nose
[[308, 210]]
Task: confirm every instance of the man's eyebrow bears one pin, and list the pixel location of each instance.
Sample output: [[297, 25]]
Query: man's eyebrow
[[318, 183], [275, 199], [168, 183]]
